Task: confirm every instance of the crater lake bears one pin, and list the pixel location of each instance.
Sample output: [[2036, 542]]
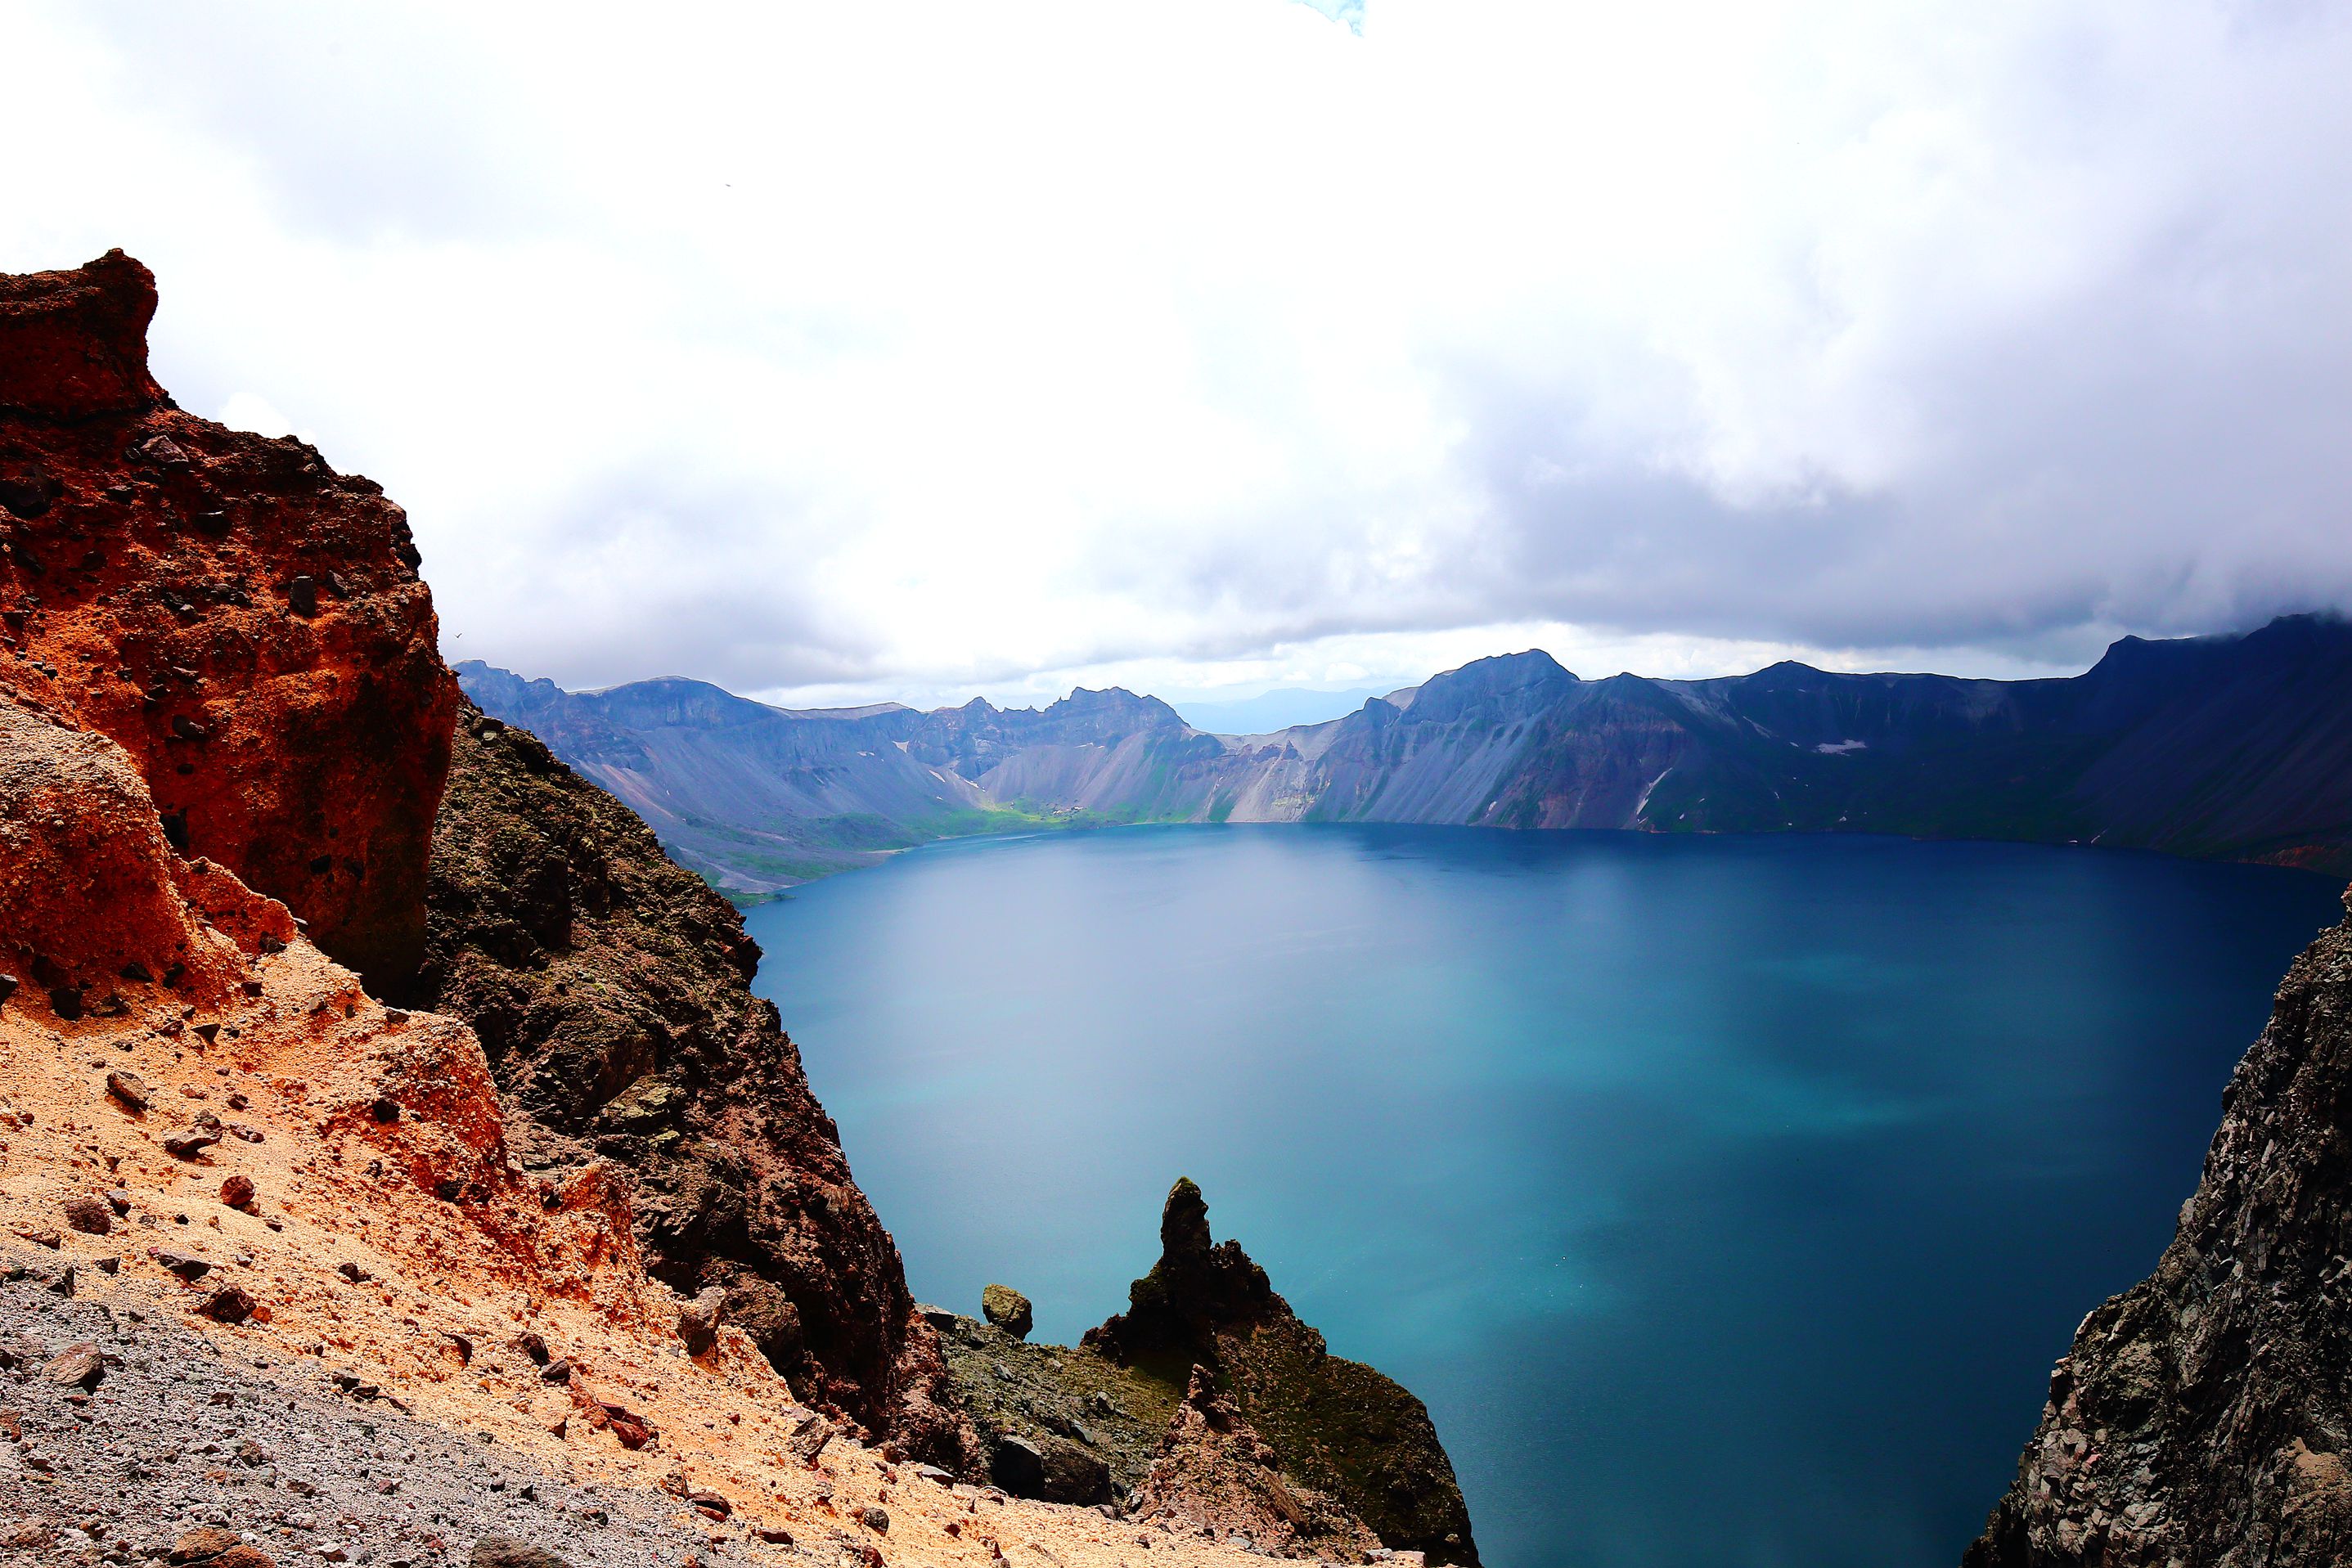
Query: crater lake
[[1728, 1199]]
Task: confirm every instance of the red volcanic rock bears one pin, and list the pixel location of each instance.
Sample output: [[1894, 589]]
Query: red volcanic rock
[[74, 344], [150, 595]]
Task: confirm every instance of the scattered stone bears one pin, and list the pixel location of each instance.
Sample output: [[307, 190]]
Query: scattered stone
[[556, 1372], [385, 1109], [1018, 1467], [88, 1215], [188, 1145], [875, 1519], [228, 1304], [774, 1535], [186, 1265], [302, 597], [164, 453], [119, 1201], [78, 1366], [808, 1434], [202, 1545], [531, 1345], [1008, 1308], [128, 1088], [698, 1321], [354, 1274], [236, 1192], [711, 1503], [40, 1236], [67, 1277], [505, 1551], [632, 1430]]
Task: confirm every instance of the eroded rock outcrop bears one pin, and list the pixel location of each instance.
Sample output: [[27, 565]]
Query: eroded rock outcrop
[[1338, 1427], [245, 623], [1330, 1447], [2204, 1417], [612, 990]]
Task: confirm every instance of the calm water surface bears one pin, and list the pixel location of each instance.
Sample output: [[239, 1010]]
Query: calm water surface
[[1727, 1199]]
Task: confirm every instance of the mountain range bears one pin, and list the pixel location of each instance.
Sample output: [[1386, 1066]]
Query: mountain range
[[2236, 747]]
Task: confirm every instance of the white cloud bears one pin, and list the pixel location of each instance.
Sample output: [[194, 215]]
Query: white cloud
[[251, 411], [935, 348]]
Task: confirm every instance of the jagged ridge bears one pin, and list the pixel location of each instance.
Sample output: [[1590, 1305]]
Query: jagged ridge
[[2231, 747]]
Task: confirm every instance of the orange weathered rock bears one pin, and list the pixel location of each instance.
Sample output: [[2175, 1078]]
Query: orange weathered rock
[[90, 888], [155, 571]]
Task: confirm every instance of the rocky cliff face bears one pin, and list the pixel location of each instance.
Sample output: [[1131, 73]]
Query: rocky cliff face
[[2204, 1417], [244, 623], [611, 990]]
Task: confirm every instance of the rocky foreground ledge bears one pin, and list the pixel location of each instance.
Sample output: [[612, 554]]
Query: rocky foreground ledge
[[368, 1073]]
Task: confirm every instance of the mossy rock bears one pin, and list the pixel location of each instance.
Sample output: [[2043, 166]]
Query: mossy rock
[[1007, 1309]]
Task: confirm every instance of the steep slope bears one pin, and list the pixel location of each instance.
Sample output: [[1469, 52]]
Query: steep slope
[[2230, 748], [611, 989], [2205, 1416]]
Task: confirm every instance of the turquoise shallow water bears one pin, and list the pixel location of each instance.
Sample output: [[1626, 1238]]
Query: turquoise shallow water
[[1726, 1198]]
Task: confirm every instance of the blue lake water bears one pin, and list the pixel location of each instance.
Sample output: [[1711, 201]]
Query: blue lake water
[[1728, 1199]]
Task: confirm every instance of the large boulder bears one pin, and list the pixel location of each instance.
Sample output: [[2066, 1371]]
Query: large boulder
[[1008, 1308]]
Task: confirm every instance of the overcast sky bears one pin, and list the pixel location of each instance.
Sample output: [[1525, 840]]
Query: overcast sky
[[858, 350]]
